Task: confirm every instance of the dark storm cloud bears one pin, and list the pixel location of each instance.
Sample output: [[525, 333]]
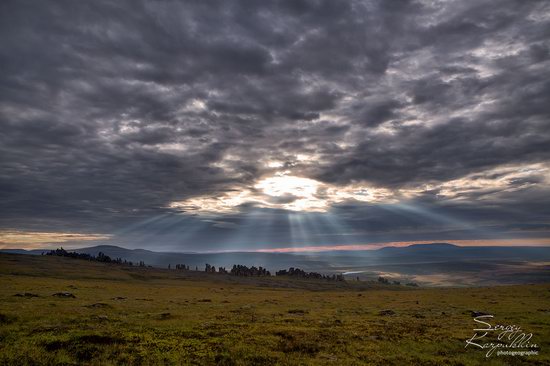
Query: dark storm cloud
[[110, 111]]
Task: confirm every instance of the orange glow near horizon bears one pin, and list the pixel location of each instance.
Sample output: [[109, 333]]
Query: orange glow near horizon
[[13, 239]]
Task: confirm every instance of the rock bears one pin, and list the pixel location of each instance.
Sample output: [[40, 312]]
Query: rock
[[98, 305], [475, 313], [118, 298], [100, 317], [28, 295], [386, 312], [164, 316], [298, 311], [64, 294]]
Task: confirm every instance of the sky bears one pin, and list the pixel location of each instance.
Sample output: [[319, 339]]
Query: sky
[[274, 125]]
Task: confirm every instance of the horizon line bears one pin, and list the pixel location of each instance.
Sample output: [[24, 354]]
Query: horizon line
[[537, 242]]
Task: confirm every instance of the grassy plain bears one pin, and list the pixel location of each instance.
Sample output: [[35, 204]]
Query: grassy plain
[[149, 316]]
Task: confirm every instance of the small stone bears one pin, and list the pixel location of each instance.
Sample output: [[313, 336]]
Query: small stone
[[98, 305], [475, 313]]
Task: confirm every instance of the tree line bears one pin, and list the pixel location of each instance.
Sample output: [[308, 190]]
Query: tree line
[[297, 272], [236, 270], [101, 257], [245, 271]]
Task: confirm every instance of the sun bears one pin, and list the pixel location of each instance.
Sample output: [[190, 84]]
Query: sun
[[291, 193], [285, 185]]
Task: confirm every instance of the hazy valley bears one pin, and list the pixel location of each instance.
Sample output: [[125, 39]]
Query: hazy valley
[[438, 264]]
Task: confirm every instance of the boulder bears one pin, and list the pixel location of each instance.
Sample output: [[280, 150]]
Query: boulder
[[64, 294]]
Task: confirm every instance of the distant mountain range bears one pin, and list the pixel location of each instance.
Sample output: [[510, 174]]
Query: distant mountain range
[[416, 253]]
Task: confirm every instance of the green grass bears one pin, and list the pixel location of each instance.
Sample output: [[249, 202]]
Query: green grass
[[151, 316]]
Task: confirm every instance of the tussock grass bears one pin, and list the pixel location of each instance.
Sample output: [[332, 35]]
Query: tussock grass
[[137, 316]]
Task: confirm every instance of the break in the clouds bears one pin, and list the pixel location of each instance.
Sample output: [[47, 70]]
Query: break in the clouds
[[208, 125]]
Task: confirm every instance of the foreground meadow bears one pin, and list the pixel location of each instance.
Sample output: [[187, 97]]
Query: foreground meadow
[[122, 315]]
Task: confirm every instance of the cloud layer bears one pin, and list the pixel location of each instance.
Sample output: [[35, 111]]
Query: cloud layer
[[112, 113]]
